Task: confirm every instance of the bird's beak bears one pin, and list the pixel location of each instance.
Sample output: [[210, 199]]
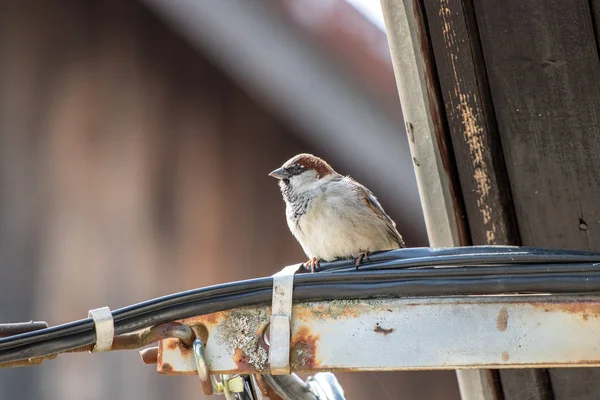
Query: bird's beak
[[280, 173]]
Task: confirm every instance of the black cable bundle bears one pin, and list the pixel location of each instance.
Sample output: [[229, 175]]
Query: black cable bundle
[[412, 272]]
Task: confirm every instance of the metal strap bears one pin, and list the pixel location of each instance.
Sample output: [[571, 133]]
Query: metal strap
[[105, 328], [281, 314]]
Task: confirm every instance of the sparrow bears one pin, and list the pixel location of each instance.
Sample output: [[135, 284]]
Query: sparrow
[[332, 216]]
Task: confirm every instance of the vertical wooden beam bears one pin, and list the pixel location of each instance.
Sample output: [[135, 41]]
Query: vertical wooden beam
[[544, 76], [471, 122], [542, 62], [429, 143], [417, 87]]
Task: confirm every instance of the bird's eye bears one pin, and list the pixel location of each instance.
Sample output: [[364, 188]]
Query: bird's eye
[[295, 169]]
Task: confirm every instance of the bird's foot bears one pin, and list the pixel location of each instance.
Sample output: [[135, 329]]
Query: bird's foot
[[362, 256], [313, 263]]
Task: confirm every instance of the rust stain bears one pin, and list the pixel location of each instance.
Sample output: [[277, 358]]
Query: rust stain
[[159, 357], [336, 309], [410, 130], [505, 356], [149, 355], [177, 345], [502, 320], [585, 362], [201, 331], [584, 309], [166, 368], [242, 361], [416, 162], [208, 319], [385, 332], [186, 352], [171, 344], [304, 350], [26, 363], [214, 318]]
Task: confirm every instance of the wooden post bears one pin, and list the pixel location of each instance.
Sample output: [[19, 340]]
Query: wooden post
[[432, 154], [520, 86]]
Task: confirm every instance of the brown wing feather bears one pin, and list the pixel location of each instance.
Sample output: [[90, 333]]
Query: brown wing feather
[[373, 203]]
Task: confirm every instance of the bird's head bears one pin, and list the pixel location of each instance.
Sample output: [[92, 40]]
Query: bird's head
[[303, 172]]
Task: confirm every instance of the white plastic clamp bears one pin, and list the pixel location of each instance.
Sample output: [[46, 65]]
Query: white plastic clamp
[[281, 315], [105, 328]]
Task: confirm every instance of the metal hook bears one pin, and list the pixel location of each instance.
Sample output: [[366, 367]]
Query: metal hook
[[200, 356], [229, 385], [209, 382]]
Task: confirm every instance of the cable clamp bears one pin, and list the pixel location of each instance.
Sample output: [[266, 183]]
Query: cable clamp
[[105, 328], [281, 316]]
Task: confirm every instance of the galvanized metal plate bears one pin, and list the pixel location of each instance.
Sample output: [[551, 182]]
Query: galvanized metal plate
[[402, 334]]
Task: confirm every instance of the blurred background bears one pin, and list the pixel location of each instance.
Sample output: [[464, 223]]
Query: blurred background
[[135, 141]]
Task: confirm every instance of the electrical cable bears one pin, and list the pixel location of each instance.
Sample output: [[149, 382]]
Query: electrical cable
[[482, 270], [498, 254], [491, 285], [415, 254]]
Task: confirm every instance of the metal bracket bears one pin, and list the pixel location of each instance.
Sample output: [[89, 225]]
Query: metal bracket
[[517, 331], [105, 328], [281, 314]]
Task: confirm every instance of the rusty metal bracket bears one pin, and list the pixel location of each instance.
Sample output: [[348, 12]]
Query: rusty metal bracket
[[281, 314], [516, 331], [105, 328]]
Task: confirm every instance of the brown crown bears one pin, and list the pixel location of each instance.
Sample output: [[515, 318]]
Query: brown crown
[[308, 161]]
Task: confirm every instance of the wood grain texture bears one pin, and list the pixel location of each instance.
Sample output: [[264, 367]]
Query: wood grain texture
[[530, 384], [574, 383], [542, 63], [543, 68], [471, 121]]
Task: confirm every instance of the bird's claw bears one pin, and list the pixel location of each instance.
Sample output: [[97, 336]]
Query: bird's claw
[[361, 256], [313, 263]]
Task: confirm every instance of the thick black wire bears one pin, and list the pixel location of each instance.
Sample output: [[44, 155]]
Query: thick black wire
[[371, 281], [120, 314], [214, 292], [556, 283], [463, 259], [494, 254], [416, 257]]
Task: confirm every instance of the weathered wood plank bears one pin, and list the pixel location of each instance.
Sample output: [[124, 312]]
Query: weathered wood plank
[[530, 384], [544, 75], [472, 125], [434, 162], [542, 63], [575, 383]]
